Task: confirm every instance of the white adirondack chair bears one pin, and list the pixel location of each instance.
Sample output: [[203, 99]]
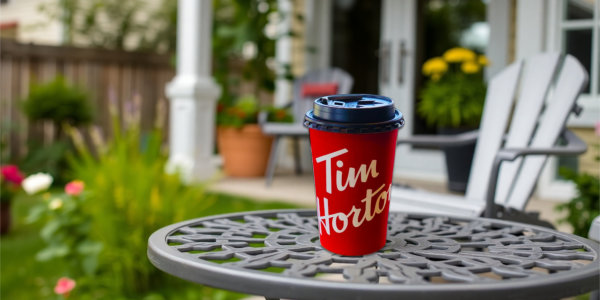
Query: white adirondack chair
[[507, 164], [300, 105]]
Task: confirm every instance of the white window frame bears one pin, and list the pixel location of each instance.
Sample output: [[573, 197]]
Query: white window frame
[[590, 102], [550, 187]]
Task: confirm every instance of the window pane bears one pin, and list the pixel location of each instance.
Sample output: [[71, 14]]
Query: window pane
[[580, 9], [579, 44], [567, 162]]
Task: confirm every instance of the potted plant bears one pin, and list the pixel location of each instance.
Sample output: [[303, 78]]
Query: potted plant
[[452, 100], [243, 146]]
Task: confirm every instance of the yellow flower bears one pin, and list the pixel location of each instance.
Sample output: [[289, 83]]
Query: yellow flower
[[435, 65], [55, 204], [470, 67], [483, 60], [458, 55]]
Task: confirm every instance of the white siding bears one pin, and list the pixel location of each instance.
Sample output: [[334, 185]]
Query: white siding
[[33, 25]]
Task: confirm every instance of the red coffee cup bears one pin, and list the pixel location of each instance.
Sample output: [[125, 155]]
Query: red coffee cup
[[353, 143]]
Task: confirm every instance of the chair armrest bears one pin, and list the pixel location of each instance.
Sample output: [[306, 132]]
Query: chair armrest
[[440, 140], [574, 146], [284, 129]]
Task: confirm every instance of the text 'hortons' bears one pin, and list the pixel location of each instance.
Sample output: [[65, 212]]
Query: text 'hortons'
[[340, 220]]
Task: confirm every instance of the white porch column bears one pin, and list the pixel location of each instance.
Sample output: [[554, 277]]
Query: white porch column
[[283, 53], [318, 22], [193, 93], [531, 28], [499, 18]]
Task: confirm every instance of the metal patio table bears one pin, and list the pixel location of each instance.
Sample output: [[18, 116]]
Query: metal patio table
[[277, 254]]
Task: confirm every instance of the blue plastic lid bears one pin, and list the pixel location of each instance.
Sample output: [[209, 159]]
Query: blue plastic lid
[[354, 113]]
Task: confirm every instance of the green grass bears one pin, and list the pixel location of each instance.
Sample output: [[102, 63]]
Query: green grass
[[22, 277]]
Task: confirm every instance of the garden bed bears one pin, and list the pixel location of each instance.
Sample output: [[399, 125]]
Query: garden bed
[[23, 277]]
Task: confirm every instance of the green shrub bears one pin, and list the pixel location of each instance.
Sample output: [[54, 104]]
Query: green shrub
[[66, 232], [131, 196], [582, 209], [61, 104], [58, 102]]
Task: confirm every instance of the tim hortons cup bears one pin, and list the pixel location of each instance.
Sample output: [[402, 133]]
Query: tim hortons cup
[[353, 143]]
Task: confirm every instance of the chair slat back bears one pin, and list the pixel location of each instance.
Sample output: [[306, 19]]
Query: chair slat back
[[498, 103], [303, 104], [559, 106], [538, 73]]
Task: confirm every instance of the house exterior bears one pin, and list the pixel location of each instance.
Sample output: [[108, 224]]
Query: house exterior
[[36, 21], [517, 29], [24, 21], [393, 33]]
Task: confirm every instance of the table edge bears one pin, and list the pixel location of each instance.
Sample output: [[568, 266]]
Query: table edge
[[271, 284]]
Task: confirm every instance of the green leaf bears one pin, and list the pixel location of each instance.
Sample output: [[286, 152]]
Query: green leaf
[[52, 251], [90, 264], [89, 248], [49, 229], [154, 296], [35, 213]]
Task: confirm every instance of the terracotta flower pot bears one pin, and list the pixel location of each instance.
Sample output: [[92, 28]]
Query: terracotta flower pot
[[5, 217], [245, 150]]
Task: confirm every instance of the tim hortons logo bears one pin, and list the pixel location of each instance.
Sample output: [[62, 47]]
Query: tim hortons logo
[[339, 221]]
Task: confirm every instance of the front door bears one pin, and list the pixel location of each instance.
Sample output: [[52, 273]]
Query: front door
[[398, 72], [412, 32], [355, 42]]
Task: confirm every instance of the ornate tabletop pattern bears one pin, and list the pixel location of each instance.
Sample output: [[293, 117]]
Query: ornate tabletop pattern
[[420, 251]]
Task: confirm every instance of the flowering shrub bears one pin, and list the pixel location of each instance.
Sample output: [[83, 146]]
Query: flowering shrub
[[246, 111], [276, 114], [67, 229], [454, 94], [64, 286], [74, 188], [37, 183], [11, 179]]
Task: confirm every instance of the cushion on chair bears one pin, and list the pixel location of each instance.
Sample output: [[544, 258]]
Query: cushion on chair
[[317, 89]]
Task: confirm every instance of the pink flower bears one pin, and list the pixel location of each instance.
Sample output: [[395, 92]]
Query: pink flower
[[74, 188], [12, 174], [598, 128], [64, 286]]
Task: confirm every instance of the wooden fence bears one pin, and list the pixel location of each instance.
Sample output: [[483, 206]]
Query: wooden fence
[[104, 74]]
